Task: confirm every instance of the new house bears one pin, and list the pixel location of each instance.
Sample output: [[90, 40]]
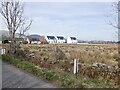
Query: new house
[[60, 39], [43, 40], [34, 39], [72, 40], [50, 39]]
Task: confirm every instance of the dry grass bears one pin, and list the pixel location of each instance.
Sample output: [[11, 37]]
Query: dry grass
[[44, 56], [87, 54]]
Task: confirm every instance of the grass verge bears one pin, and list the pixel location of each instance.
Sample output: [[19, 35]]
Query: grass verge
[[61, 79]]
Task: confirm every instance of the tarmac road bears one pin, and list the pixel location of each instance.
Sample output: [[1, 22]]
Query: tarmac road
[[13, 77]]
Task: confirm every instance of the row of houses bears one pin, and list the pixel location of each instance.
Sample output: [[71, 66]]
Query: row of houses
[[37, 39]]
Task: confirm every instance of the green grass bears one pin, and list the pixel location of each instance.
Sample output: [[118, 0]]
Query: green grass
[[61, 79]]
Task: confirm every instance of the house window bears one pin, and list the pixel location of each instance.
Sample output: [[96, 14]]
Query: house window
[[60, 38], [51, 37], [73, 38]]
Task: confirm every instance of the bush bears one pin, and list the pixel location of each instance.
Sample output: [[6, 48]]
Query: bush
[[44, 43], [25, 42], [58, 54], [20, 53]]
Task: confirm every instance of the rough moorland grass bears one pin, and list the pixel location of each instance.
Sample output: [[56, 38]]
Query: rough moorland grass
[[87, 54], [62, 79]]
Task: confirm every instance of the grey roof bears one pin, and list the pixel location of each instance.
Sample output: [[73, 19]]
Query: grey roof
[[73, 38], [60, 37], [51, 37]]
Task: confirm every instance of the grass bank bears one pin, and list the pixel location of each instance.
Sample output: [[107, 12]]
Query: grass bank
[[61, 79]]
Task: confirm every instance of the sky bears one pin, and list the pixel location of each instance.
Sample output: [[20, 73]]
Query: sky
[[84, 20]]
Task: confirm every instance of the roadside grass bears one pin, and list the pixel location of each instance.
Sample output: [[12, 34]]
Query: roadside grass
[[60, 79]]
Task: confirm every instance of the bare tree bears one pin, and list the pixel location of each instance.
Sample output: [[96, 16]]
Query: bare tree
[[115, 15], [118, 27], [115, 22], [13, 14], [24, 28], [119, 41]]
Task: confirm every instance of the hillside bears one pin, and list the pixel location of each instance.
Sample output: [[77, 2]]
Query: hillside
[[4, 34]]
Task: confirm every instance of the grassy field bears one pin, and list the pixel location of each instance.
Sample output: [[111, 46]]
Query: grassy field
[[87, 54], [58, 58]]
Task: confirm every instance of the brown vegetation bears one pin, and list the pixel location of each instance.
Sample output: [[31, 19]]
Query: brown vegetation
[[95, 61]]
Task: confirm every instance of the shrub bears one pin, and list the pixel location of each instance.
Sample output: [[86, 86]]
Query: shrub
[[58, 54], [44, 43], [20, 53], [25, 42]]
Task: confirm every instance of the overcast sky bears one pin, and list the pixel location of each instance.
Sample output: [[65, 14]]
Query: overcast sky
[[86, 21]]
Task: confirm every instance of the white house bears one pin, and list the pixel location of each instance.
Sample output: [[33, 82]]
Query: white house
[[72, 40], [60, 39], [28, 40], [50, 39]]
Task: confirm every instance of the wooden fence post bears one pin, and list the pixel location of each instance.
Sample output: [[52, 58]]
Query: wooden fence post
[[75, 71]]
